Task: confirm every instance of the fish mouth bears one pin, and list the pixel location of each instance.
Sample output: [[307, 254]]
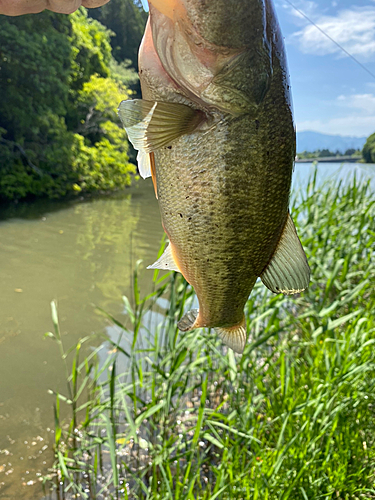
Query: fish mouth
[[154, 74], [210, 75], [185, 58]]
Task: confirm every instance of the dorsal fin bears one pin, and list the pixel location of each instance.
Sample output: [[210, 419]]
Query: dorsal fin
[[288, 271]]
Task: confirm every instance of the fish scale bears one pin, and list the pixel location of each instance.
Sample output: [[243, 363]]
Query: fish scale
[[223, 182], [242, 204]]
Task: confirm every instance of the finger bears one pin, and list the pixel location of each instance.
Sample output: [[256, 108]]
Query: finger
[[92, 4], [63, 6], [19, 7]]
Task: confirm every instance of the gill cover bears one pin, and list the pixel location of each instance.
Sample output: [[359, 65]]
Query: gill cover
[[232, 77]]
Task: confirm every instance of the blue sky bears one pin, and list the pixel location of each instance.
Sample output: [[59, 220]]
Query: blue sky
[[331, 93]]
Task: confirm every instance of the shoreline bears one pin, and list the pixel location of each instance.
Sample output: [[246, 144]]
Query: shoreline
[[331, 159]]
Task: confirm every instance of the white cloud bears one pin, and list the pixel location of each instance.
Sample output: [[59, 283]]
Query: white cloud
[[308, 7], [354, 29], [359, 119], [357, 126], [363, 102]]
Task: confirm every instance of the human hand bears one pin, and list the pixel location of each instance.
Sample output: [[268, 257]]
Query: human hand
[[19, 7]]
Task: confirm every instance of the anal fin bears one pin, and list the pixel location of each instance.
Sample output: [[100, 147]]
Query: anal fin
[[188, 320], [234, 336], [288, 271], [166, 261]]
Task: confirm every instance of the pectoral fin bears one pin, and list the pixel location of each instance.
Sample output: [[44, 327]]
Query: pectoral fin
[[144, 164], [166, 261], [153, 125], [153, 173], [288, 272]]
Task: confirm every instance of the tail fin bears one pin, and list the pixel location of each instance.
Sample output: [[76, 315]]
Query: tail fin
[[234, 337]]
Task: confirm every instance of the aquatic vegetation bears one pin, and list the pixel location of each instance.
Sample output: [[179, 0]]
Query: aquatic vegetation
[[293, 418]]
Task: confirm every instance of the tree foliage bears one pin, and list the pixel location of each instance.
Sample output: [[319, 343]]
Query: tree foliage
[[127, 20], [368, 151], [102, 154], [91, 49], [35, 56], [59, 131]]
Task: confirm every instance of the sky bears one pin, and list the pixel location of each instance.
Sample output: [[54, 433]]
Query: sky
[[332, 94]]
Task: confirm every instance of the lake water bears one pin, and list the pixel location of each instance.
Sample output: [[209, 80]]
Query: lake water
[[81, 253]]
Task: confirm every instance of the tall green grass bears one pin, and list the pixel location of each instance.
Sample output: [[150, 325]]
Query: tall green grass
[[293, 418]]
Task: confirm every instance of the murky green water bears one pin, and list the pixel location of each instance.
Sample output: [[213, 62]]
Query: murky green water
[[82, 254]]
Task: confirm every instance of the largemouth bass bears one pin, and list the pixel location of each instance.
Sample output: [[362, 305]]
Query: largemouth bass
[[215, 131]]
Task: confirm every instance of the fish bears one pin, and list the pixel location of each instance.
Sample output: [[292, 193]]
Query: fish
[[214, 129]]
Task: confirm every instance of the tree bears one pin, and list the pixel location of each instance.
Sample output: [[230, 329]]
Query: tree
[[59, 131], [322, 153], [101, 148], [35, 56], [127, 21], [91, 49], [368, 151]]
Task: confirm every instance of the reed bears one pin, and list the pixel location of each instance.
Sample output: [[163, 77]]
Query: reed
[[293, 418]]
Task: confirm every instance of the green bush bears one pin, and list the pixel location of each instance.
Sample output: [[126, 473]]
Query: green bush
[[368, 151]]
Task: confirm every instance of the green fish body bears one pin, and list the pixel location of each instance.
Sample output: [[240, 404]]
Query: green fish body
[[215, 130]]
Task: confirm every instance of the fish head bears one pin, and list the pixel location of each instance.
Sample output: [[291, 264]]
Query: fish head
[[217, 53]]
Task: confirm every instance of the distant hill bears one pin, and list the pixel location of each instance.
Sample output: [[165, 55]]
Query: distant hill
[[311, 141]]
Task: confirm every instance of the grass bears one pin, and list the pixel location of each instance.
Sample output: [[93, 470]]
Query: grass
[[293, 418]]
